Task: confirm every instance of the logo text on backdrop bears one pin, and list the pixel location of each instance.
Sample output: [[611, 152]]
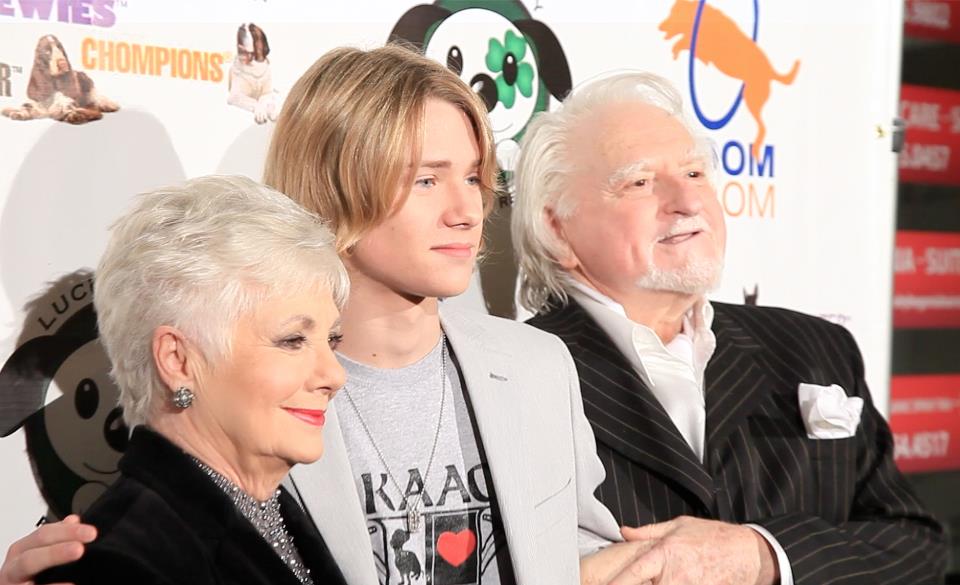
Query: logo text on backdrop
[[715, 39], [5, 84], [90, 12]]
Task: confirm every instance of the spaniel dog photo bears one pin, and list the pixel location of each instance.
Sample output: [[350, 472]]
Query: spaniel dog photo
[[250, 83], [57, 91]]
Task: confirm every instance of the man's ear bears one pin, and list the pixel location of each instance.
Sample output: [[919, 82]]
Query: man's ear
[[176, 362], [566, 257]]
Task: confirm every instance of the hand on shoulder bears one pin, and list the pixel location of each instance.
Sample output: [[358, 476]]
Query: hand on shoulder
[[48, 546]]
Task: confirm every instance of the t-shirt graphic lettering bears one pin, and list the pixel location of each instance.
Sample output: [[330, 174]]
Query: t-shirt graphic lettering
[[461, 539]]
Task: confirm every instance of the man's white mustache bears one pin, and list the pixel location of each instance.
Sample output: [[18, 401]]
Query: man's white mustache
[[685, 226]]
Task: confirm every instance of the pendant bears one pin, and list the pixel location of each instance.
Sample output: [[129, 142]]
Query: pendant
[[414, 518]]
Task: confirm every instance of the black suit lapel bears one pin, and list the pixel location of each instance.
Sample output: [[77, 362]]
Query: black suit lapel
[[624, 414], [734, 379]]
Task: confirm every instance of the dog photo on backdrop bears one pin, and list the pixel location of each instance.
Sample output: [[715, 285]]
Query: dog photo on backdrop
[[250, 82], [57, 91]]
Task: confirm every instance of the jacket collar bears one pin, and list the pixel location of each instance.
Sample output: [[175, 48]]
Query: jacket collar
[[624, 413], [157, 463], [491, 382], [161, 466], [733, 382], [735, 377]]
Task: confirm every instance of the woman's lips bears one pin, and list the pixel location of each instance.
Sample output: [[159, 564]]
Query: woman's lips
[[312, 417], [455, 250]]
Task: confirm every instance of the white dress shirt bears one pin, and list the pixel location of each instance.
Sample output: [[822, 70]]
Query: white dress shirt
[[673, 372]]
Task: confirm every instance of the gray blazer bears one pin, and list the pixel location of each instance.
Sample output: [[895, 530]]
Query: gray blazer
[[525, 393]]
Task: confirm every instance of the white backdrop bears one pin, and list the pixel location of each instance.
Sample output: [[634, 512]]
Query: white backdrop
[[811, 227]]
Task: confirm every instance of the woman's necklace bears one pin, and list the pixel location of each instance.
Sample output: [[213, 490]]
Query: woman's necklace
[[265, 517]]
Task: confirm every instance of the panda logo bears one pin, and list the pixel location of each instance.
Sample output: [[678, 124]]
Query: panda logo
[[513, 62], [517, 66], [75, 442]]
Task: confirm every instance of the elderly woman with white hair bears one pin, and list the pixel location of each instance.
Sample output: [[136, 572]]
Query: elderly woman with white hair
[[218, 304]]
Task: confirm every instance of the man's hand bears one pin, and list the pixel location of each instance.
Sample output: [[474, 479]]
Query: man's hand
[[692, 551], [605, 564], [48, 546]]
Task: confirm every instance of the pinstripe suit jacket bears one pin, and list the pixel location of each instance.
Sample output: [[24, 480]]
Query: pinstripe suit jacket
[[841, 510]]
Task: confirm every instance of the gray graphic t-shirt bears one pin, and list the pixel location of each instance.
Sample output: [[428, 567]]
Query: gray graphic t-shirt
[[460, 540]]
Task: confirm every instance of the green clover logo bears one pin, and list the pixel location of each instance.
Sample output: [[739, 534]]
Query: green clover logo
[[507, 60]]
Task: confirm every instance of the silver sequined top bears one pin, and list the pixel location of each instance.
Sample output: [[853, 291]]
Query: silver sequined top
[[265, 517]]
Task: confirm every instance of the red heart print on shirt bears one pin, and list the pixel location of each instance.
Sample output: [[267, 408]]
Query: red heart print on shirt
[[456, 547]]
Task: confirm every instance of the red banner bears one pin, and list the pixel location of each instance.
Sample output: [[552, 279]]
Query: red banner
[[931, 153], [925, 419], [932, 19], [926, 280]]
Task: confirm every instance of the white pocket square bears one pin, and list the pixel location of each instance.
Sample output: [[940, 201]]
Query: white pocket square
[[828, 413]]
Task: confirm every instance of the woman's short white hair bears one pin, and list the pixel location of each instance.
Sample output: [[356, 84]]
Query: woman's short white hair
[[197, 257], [543, 170]]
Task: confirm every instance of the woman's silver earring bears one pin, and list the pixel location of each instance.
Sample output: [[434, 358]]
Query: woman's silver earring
[[183, 397]]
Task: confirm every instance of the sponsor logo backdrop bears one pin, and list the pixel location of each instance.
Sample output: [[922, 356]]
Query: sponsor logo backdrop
[[103, 99], [925, 416]]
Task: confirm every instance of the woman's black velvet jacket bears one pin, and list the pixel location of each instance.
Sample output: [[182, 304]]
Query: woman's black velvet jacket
[[165, 522]]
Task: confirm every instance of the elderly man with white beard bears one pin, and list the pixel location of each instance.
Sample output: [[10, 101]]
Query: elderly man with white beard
[[740, 443]]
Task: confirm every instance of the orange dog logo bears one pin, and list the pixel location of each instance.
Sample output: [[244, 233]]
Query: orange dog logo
[[720, 42]]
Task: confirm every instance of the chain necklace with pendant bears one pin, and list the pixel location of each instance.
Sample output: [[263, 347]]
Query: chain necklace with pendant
[[414, 515]]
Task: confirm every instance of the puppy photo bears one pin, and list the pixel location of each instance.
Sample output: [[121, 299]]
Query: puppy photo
[[250, 82], [57, 91]]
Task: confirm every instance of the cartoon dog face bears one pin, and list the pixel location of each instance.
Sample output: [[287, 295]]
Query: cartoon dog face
[[513, 62], [87, 414], [493, 57], [76, 441]]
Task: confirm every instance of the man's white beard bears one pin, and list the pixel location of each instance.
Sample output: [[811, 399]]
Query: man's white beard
[[697, 277]]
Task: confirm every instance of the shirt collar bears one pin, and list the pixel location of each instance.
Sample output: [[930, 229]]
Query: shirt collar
[[634, 339], [598, 297], [698, 318]]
